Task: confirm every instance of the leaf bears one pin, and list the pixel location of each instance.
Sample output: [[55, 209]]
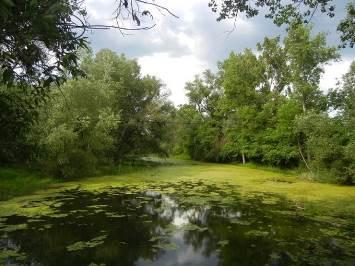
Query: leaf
[[8, 75], [223, 243], [9, 3], [125, 3]]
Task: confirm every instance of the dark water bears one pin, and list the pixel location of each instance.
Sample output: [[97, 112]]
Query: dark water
[[196, 224]]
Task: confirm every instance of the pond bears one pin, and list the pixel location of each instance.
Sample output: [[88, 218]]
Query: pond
[[180, 223]]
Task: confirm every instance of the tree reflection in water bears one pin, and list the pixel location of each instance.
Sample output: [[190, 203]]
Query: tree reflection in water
[[126, 226]]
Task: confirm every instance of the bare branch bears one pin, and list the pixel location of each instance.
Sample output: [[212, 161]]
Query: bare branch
[[159, 6]]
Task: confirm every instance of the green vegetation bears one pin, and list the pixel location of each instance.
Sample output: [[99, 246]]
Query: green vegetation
[[94, 122], [264, 159], [265, 108], [33, 33], [269, 109], [17, 182], [89, 244], [316, 198], [282, 12], [138, 207], [320, 198], [100, 119]]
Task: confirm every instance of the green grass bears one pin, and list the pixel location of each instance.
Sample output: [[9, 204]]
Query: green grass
[[312, 197], [17, 182]]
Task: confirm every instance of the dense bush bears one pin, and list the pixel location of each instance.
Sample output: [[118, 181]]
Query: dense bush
[[100, 119]]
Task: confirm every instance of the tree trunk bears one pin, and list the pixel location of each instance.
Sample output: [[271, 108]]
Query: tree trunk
[[304, 107], [243, 157], [304, 160]]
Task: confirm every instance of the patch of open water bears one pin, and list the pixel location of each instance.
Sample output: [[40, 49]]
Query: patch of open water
[[185, 223]]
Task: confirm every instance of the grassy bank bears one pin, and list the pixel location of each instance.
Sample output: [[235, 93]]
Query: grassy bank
[[312, 197], [20, 181]]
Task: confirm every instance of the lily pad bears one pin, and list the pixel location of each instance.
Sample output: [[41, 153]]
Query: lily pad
[[87, 244]]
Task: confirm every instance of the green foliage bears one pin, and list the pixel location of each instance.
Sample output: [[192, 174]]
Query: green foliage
[[112, 114], [274, 60], [140, 102], [73, 131], [306, 56], [198, 127], [326, 141], [242, 74], [347, 27], [40, 40], [268, 108], [287, 12], [280, 147], [280, 11], [260, 108], [17, 114], [16, 181]]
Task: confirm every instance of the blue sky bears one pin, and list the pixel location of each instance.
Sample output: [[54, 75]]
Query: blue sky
[[175, 50]]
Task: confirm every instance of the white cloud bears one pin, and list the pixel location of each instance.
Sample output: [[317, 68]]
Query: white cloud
[[334, 72], [178, 49], [173, 71]]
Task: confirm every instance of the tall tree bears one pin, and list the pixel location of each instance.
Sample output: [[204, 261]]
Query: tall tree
[[17, 114], [342, 100], [140, 101], [200, 122], [307, 56], [110, 115], [274, 60], [242, 74], [242, 77]]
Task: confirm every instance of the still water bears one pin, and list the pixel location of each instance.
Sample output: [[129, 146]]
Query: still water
[[183, 223]]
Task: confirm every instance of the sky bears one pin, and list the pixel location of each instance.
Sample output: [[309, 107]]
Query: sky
[[177, 49]]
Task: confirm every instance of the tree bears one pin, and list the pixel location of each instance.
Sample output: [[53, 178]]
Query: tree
[[110, 115], [268, 108], [199, 123], [17, 114], [242, 74], [307, 56], [140, 101], [273, 57], [342, 100], [40, 40], [347, 27], [279, 140], [73, 134], [327, 142], [202, 92], [286, 12], [241, 130], [242, 78]]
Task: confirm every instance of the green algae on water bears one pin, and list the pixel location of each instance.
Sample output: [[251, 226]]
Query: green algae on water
[[166, 246], [11, 254], [87, 244], [257, 233], [13, 227]]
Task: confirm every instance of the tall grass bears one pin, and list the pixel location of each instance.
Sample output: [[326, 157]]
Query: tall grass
[[20, 181]]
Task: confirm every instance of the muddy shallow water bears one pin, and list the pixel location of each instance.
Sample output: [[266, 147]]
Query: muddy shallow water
[[182, 223]]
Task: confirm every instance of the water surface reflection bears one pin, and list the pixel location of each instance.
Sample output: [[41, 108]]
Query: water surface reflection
[[194, 224]]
